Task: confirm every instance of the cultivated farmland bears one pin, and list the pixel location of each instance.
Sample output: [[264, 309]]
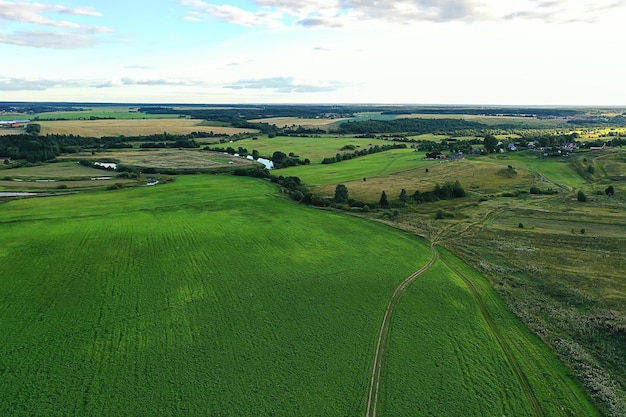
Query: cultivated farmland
[[206, 295], [132, 127]]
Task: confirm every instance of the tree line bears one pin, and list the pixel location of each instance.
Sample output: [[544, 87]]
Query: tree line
[[371, 150]]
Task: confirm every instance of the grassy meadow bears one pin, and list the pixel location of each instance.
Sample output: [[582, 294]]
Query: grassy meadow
[[313, 148]]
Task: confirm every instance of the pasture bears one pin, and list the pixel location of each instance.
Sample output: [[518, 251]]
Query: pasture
[[132, 127]]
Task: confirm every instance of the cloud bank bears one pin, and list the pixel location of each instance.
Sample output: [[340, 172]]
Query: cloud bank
[[44, 26], [348, 13]]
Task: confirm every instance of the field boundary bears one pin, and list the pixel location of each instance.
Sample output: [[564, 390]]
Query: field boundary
[[383, 334]]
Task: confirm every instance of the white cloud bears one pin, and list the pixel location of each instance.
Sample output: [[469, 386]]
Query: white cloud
[[58, 33], [286, 85], [54, 40], [347, 13]]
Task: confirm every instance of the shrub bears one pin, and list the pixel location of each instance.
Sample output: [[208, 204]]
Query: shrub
[[581, 196]]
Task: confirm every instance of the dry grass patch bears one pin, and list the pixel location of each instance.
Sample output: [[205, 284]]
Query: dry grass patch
[[473, 175]]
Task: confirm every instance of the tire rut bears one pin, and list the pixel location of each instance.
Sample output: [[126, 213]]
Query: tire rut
[[383, 335], [533, 402]]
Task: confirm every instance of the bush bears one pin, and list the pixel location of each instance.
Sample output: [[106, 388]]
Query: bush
[[581, 196], [521, 225]]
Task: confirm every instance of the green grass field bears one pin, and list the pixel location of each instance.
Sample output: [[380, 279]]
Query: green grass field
[[557, 170], [189, 299], [212, 296]]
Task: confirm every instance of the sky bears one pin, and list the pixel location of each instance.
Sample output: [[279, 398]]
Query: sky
[[491, 52]]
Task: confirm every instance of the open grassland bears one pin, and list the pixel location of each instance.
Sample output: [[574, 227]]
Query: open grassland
[[394, 170], [362, 167], [562, 273], [207, 296], [559, 171], [132, 127], [454, 344], [313, 148]]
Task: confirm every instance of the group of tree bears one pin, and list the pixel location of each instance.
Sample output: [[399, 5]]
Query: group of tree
[[180, 143], [31, 147], [414, 126], [447, 191], [282, 160], [449, 145], [439, 192], [366, 151]]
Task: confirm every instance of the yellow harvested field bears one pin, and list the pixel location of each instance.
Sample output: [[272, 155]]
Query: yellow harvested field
[[132, 127], [290, 121]]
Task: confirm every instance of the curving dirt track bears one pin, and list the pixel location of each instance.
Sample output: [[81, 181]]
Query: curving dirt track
[[383, 335], [383, 340]]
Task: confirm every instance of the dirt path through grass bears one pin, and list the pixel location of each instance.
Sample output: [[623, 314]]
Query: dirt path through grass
[[383, 335]]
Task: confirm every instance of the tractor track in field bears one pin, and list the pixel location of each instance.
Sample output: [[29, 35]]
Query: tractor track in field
[[383, 335], [532, 400]]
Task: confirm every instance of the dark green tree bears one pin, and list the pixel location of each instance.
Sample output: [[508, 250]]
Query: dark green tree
[[33, 128], [341, 193], [404, 196], [610, 191], [581, 196], [458, 190], [490, 142], [383, 202]]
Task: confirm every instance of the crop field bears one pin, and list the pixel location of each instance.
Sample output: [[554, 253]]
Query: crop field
[[211, 296], [132, 127], [190, 299], [461, 358]]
